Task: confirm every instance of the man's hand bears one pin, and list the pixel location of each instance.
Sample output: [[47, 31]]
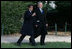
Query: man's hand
[[36, 25], [46, 25], [33, 14]]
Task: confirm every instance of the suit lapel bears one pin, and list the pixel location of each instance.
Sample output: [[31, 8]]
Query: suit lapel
[[40, 11], [30, 12]]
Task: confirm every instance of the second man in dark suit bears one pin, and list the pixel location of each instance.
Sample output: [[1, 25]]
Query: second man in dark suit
[[40, 23]]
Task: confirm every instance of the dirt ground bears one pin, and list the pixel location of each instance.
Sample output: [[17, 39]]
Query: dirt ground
[[51, 37]]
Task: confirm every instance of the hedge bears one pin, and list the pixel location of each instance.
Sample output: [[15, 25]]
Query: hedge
[[12, 13]]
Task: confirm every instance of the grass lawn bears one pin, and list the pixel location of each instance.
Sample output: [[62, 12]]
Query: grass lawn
[[27, 45]]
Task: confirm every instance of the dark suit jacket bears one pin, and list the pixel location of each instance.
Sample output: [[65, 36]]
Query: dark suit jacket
[[27, 28], [41, 17]]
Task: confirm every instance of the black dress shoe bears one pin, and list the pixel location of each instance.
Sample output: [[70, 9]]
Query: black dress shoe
[[18, 44], [32, 42], [42, 43]]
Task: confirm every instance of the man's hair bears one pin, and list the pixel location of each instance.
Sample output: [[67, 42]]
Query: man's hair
[[30, 5], [39, 2]]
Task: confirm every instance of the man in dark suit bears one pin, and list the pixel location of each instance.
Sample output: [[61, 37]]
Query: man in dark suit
[[40, 23], [27, 28]]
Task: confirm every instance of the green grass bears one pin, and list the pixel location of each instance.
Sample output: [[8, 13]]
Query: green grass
[[47, 45]]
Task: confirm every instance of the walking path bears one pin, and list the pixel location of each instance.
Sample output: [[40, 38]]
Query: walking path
[[49, 38]]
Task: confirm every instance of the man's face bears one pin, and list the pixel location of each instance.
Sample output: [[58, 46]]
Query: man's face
[[40, 5], [31, 8]]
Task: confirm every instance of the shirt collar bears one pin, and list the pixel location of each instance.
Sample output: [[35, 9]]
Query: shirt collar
[[29, 11]]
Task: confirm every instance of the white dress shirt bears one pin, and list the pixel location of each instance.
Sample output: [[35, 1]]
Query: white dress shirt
[[41, 10]]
